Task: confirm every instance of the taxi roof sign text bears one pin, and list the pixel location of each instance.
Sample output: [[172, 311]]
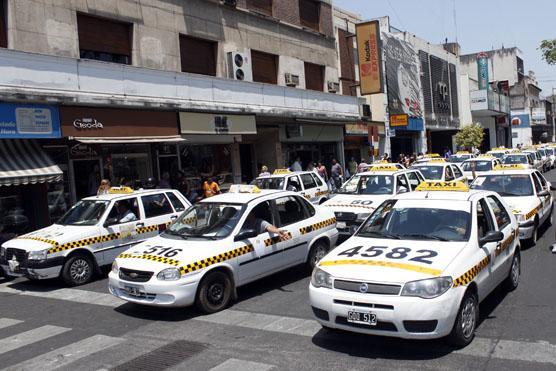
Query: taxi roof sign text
[[244, 188], [281, 171], [120, 190], [383, 167], [509, 167], [442, 186]]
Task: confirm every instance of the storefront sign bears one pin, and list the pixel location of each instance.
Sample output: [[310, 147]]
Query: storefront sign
[[399, 120], [357, 129], [538, 116], [92, 122], [482, 69], [209, 123], [29, 121], [521, 120], [369, 53]]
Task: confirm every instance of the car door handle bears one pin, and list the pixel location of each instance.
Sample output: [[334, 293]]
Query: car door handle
[[140, 224], [174, 217]]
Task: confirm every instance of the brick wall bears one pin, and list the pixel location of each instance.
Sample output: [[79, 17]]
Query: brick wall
[[326, 24], [286, 10]]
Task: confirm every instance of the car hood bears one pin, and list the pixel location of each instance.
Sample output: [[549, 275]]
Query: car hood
[[358, 204], [51, 236], [393, 268], [522, 205]]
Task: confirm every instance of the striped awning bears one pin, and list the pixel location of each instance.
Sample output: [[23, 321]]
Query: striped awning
[[22, 161]]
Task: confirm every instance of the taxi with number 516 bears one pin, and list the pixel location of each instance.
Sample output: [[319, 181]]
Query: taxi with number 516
[[420, 265]]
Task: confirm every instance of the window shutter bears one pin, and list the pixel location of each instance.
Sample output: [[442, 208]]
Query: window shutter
[[198, 56], [3, 28], [262, 6], [104, 35], [309, 13], [314, 79], [265, 67], [347, 64]]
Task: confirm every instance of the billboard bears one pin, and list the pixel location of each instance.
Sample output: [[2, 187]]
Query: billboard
[[403, 78], [29, 121], [482, 70], [369, 56]]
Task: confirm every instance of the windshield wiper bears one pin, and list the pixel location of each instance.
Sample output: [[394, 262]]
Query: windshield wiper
[[174, 233], [379, 234], [426, 236]]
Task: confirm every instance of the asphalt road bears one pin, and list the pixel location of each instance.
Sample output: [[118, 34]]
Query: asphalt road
[[44, 325]]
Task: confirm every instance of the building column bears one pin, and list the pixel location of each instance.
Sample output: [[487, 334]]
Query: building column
[[236, 163]]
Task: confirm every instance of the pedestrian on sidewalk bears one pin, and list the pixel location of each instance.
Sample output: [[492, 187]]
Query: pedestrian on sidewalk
[[264, 171], [104, 187], [336, 173], [352, 166], [296, 166], [165, 181], [210, 187], [321, 170]]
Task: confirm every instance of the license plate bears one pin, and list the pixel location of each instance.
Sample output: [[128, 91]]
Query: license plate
[[341, 225], [133, 290], [13, 265], [363, 318]]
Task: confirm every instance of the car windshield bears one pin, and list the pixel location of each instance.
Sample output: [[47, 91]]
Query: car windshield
[[431, 171], [513, 185], [368, 185], [269, 183], [549, 151], [211, 220], [497, 154], [515, 159], [458, 159], [412, 220], [479, 165], [85, 212]]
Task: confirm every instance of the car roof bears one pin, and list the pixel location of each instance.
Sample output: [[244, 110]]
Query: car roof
[[245, 197], [443, 195], [287, 174], [385, 172], [138, 192], [509, 171]]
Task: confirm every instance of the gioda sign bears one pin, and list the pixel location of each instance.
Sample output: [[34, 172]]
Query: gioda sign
[[87, 123]]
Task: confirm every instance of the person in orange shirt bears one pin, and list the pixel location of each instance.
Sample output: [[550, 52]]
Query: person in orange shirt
[[210, 188]]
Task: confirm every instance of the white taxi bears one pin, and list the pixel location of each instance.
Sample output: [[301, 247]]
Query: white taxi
[[526, 191], [221, 243], [460, 156], [538, 162], [480, 164], [527, 160], [420, 265], [363, 192], [428, 157], [91, 234], [499, 152], [307, 183], [437, 169]]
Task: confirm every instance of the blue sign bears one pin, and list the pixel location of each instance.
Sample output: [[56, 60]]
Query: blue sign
[[29, 121], [521, 121]]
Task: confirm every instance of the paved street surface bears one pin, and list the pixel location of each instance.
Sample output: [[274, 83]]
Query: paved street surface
[[44, 325]]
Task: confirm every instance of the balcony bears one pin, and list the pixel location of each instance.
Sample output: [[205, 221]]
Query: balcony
[[42, 78], [488, 103]]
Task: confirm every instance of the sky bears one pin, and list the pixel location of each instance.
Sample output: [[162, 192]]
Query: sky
[[478, 25]]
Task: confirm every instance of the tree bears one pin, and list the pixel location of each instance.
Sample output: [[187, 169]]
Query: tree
[[548, 50], [470, 136]]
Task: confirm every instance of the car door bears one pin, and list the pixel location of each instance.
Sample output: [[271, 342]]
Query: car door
[[120, 228], [414, 180], [502, 257], [402, 185], [309, 188], [485, 254], [322, 188], [458, 174], [545, 200], [448, 174], [158, 213]]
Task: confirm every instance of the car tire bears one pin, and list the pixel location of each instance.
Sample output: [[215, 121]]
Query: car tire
[[317, 252], [214, 293], [535, 235], [463, 331], [548, 222], [512, 281], [78, 270]]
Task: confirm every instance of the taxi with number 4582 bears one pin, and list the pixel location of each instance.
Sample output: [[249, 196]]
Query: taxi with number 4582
[[420, 265], [221, 243]]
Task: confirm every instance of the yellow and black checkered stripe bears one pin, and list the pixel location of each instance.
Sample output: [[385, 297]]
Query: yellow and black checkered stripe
[[45, 240], [348, 205], [274, 240], [83, 242], [155, 258], [321, 193], [472, 273], [319, 225], [506, 243], [216, 259], [532, 212]]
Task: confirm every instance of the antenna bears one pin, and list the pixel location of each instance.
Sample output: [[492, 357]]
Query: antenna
[[455, 19]]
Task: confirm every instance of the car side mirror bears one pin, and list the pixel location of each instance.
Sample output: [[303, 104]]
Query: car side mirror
[[109, 222], [492, 236], [245, 234], [543, 193], [402, 190]]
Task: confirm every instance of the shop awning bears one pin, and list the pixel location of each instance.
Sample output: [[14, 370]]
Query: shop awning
[[124, 140], [22, 161]]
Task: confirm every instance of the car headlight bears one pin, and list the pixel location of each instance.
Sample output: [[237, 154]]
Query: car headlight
[[38, 255], [320, 278], [169, 274], [362, 217], [115, 268], [427, 289]]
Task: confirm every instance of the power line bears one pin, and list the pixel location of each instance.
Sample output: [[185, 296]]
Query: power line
[[396, 14], [455, 19]]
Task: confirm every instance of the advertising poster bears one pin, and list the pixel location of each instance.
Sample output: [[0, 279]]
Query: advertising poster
[[369, 55]]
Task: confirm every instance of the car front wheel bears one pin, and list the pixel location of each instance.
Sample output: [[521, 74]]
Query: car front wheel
[[214, 293], [77, 270], [466, 321]]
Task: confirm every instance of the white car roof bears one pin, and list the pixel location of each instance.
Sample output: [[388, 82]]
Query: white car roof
[[442, 195], [245, 197], [287, 174], [115, 196], [384, 172], [509, 171]]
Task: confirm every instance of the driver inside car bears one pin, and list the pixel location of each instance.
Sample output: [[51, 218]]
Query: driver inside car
[[260, 225]]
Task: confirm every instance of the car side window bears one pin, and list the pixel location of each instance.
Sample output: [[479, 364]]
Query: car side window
[[317, 180], [457, 171], [420, 176], [178, 205], [538, 186], [448, 174], [542, 180], [414, 180], [156, 205], [309, 208], [401, 182], [259, 214], [290, 210], [293, 184], [308, 181], [125, 211], [500, 213], [484, 220]]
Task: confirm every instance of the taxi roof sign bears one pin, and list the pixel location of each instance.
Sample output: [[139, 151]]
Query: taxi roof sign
[[437, 159], [502, 148], [384, 167], [120, 190], [510, 167], [244, 188], [486, 155], [281, 171], [463, 153], [431, 155], [443, 186]]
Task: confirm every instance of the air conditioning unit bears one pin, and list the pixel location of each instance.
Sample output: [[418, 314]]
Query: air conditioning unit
[[291, 79], [333, 87], [365, 111], [232, 3], [239, 66]]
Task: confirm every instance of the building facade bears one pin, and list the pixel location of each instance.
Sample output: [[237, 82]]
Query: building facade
[[141, 88]]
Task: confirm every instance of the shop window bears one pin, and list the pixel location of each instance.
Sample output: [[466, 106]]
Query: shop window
[[308, 181], [59, 193], [125, 211], [314, 77], [198, 55], [104, 39], [261, 6], [156, 205], [290, 210], [178, 205], [265, 67], [3, 23], [309, 14]]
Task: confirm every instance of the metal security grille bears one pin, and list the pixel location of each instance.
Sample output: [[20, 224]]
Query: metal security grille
[[440, 84], [454, 91], [426, 81]]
